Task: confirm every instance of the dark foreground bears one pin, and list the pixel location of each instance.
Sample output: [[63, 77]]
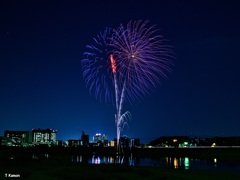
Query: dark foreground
[[58, 169], [60, 166]]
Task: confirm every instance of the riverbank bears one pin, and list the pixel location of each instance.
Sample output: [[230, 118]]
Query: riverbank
[[61, 169]]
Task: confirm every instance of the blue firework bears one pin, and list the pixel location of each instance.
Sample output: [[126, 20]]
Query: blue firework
[[141, 56], [97, 67]]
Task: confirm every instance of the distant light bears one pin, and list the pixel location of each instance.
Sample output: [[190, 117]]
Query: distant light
[[32, 129], [112, 143], [174, 140]]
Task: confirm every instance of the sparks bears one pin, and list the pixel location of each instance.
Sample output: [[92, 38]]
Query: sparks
[[113, 64], [124, 64]]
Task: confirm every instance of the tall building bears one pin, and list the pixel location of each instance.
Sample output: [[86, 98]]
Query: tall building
[[17, 138], [85, 139], [44, 136]]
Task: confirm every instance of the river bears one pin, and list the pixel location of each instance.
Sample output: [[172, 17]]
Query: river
[[183, 163]]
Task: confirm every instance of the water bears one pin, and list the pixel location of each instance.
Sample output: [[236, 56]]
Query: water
[[183, 163]]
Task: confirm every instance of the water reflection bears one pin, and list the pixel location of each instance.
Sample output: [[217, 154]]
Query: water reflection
[[168, 162], [131, 160], [111, 160], [175, 163], [40, 156], [215, 162], [96, 159], [186, 162]]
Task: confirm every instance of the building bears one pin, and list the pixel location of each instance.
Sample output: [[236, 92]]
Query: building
[[124, 141], [112, 143], [100, 139], [135, 142], [171, 141], [84, 139], [17, 138], [44, 137], [73, 143]]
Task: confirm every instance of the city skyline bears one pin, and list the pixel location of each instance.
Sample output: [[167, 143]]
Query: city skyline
[[41, 47], [47, 138]]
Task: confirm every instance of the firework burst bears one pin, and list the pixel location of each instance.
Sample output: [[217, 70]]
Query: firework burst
[[142, 58], [97, 67], [125, 64]]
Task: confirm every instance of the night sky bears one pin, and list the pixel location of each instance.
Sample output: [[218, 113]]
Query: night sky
[[41, 84]]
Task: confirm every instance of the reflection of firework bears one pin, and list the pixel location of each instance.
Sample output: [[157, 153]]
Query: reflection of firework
[[125, 64], [141, 56]]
